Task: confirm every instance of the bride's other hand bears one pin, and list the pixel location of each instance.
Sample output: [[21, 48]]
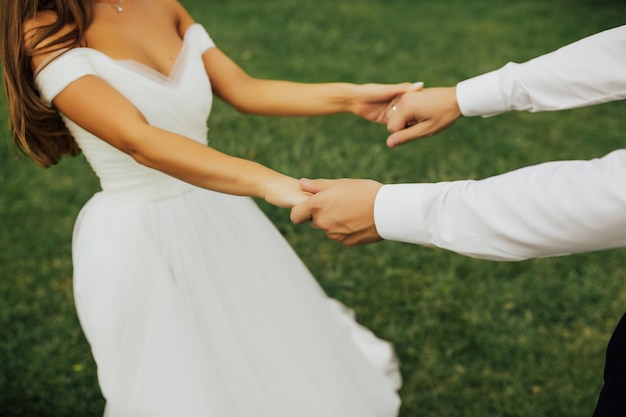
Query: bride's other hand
[[343, 208], [421, 114], [285, 192], [372, 101]]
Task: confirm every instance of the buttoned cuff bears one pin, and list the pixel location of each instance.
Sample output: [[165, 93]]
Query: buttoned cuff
[[398, 213], [481, 95]]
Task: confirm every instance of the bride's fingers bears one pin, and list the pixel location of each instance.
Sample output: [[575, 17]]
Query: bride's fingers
[[416, 86]]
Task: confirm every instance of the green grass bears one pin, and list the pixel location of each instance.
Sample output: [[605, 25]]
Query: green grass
[[475, 337]]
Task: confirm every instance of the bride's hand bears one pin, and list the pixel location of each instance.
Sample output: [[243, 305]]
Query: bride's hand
[[372, 101], [285, 192]]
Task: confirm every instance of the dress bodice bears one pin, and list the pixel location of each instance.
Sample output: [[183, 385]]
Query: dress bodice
[[179, 102]]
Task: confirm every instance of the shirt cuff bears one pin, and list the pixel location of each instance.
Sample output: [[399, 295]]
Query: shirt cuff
[[398, 213], [481, 95]]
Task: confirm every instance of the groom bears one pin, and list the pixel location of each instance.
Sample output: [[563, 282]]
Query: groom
[[550, 209]]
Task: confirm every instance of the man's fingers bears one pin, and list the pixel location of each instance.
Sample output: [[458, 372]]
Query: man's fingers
[[300, 213], [304, 211], [315, 186], [405, 135], [396, 122]]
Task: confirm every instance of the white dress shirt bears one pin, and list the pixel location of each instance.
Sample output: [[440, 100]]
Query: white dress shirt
[[550, 209]]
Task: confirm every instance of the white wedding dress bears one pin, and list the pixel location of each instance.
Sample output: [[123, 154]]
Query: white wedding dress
[[193, 303]]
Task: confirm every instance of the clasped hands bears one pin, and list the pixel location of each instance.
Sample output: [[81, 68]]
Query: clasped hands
[[344, 208]]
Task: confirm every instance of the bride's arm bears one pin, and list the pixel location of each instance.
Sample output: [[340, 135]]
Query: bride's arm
[[100, 109], [285, 98]]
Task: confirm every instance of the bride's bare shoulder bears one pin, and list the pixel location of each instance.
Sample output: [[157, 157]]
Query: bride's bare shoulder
[[40, 41]]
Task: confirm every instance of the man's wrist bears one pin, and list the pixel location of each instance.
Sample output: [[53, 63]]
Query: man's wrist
[[480, 96], [397, 212]]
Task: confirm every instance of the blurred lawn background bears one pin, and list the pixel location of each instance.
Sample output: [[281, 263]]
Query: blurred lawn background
[[474, 337]]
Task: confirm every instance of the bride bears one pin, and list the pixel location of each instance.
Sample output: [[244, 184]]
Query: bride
[[191, 300]]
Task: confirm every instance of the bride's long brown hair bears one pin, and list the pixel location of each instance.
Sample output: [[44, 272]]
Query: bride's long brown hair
[[38, 130]]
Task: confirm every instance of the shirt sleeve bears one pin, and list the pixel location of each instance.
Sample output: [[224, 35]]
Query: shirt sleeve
[[60, 72], [590, 71], [550, 209]]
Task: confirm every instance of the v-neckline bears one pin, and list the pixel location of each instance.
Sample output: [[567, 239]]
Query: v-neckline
[[133, 64], [140, 66]]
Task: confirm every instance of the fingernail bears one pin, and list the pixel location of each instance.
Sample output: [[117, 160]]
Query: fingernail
[[418, 84]]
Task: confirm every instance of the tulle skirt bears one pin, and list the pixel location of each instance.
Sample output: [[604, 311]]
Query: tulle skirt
[[195, 306]]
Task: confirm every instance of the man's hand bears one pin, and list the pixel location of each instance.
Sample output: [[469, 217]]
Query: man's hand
[[422, 113], [372, 101], [343, 208]]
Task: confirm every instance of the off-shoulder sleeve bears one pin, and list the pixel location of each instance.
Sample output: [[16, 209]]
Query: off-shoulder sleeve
[[60, 72], [201, 36]]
